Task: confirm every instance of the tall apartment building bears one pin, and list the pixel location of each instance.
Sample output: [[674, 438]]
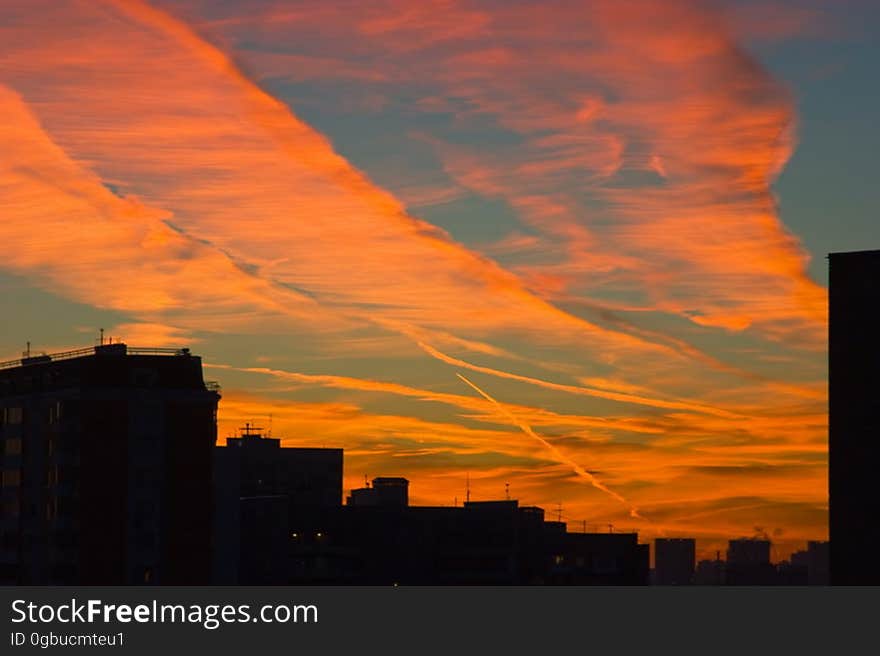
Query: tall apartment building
[[106, 468], [854, 416]]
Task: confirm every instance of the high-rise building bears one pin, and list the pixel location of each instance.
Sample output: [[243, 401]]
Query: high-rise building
[[854, 416], [674, 561], [106, 467]]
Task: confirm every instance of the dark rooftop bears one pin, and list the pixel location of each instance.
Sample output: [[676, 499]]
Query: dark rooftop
[[112, 364], [105, 349]]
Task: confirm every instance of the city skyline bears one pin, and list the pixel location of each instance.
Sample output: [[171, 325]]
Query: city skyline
[[579, 250], [112, 475]]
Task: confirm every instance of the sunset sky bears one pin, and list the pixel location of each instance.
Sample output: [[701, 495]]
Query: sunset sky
[[576, 247]]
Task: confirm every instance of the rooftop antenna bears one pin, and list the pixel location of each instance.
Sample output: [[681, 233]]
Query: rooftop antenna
[[366, 481], [559, 512], [27, 353], [507, 491], [102, 337], [611, 528], [585, 526], [270, 425], [250, 430], [467, 487]]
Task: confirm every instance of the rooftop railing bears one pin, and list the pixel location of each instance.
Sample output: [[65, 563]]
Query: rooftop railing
[[106, 349]]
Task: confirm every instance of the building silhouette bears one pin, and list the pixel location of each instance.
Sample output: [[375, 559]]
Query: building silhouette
[[809, 566], [385, 491], [792, 572], [258, 487], [854, 416], [818, 562], [748, 562], [106, 467], [480, 543], [598, 559], [674, 561], [710, 572], [377, 538]]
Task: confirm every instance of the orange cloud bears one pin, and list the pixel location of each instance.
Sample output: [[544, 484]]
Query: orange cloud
[[166, 117], [628, 90], [74, 235]]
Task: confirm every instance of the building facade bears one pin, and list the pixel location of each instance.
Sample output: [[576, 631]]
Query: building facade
[[748, 563], [854, 416], [106, 468], [674, 561], [260, 488]]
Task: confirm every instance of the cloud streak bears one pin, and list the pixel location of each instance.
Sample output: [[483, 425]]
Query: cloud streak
[[557, 454]]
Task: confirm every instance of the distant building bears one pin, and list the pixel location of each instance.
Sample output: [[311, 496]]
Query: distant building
[[854, 416], [800, 559], [674, 561], [255, 465], [481, 543], [106, 468], [600, 559], [788, 573], [748, 551], [748, 563], [710, 572], [818, 562], [259, 487], [385, 491], [490, 542], [807, 567]]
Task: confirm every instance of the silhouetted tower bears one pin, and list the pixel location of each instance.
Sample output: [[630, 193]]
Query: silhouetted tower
[[854, 416], [106, 460]]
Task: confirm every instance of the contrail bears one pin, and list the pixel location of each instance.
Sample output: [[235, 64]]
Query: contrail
[[561, 457], [573, 389]]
